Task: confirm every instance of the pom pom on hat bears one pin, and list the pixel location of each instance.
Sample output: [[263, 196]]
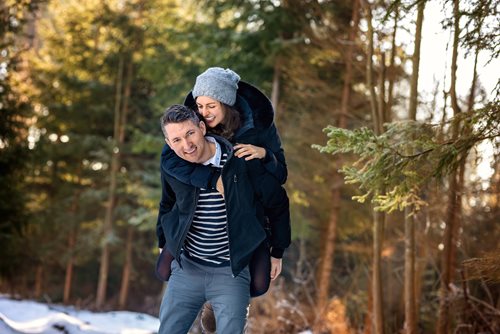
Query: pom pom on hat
[[218, 83]]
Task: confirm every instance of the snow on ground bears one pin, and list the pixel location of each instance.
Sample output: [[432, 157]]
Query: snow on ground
[[30, 317]]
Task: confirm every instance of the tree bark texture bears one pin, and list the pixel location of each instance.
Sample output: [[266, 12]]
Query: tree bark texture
[[378, 217], [378, 308], [71, 244], [38, 281], [416, 62], [69, 267], [409, 276], [392, 70], [275, 94], [369, 70], [127, 269], [410, 326], [454, 199]]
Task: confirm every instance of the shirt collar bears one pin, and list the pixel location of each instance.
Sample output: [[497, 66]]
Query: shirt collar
[[215, 159]]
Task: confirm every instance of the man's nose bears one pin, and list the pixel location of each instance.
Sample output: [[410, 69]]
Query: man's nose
[[186, 143]]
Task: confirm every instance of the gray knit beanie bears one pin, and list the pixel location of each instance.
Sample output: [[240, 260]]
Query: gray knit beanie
[[218, 83]]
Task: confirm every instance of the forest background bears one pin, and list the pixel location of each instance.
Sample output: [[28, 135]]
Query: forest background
[[396, 232]]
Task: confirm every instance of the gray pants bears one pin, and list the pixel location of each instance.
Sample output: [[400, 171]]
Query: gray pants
[[190, 286]]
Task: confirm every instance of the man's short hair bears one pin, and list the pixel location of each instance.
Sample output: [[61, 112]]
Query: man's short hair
[[178, 113]]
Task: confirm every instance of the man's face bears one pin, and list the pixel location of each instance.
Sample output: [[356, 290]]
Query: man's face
[[187, 139]]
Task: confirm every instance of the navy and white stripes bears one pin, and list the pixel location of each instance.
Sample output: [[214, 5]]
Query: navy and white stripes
[[207, 240]]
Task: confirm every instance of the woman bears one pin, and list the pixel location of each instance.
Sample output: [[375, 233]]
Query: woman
[[242, 114]]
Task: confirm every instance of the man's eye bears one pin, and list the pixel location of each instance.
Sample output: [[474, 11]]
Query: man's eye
[[190, 133], [175, 140]]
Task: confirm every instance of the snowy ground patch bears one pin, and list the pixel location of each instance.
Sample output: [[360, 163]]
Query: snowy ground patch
[[23, 316]]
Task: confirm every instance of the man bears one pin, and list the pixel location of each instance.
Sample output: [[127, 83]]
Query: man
[[213, 236]]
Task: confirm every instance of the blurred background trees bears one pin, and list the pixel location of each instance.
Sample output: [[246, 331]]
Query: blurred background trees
[[82, 86]]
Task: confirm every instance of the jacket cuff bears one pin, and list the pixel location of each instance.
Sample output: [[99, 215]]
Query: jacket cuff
[[277, 252], [269, 156]]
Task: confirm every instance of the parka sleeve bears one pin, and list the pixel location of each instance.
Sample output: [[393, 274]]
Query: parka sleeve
[[197, 175], [274, 200], [275, 162]]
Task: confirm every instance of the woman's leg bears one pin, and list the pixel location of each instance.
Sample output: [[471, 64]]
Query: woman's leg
[[163, 265], [260, 270]]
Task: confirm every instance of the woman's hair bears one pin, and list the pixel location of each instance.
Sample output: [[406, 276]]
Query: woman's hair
[[232, 122]]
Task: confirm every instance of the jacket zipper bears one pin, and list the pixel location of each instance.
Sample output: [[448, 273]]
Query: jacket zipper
[[228, 161]]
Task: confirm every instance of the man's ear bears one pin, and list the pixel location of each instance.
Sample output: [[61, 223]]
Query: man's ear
[[167, 142], [203, 127]]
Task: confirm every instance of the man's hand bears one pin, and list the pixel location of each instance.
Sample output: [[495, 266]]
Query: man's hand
[[219, 186], [275, 268], [249, 152]]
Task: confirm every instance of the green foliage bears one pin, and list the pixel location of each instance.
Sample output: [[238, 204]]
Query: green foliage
[[395, 167]]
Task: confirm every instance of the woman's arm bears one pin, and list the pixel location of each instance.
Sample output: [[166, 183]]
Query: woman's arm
[[197, 175], [271, 194], [271, 153]]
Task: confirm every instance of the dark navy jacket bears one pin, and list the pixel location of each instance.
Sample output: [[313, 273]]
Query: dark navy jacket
[[257, 129], [248, 187]]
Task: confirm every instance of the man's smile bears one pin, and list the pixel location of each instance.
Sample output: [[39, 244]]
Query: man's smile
[[190, 151]]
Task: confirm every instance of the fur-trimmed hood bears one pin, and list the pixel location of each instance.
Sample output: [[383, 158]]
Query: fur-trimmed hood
[[250, 101]]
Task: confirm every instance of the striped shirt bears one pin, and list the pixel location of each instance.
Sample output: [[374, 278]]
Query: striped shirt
[[207, 241]]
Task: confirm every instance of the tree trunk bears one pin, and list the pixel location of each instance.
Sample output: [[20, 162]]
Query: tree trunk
[[369, 70], [368, 327], [410, 326], [409, 274], [378, 310], [127, 269], [71, 244], [454, 205], [108, 220], [69, 266], [327, 257], [382, 105], [416, 62], [328, 253], [472, 94], [378, 217], [38, 281], [392, 70], [275, 94], [346, 89]]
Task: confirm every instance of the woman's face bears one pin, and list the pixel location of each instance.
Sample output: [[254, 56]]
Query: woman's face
[[212, 111]]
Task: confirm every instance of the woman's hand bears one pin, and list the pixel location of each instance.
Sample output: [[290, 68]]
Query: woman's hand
[[275, 268], [249, 151]]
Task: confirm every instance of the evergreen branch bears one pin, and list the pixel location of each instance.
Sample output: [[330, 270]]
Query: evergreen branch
[[395, 166]]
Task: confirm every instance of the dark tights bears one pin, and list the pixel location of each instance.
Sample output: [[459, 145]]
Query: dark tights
[[260, 270]]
